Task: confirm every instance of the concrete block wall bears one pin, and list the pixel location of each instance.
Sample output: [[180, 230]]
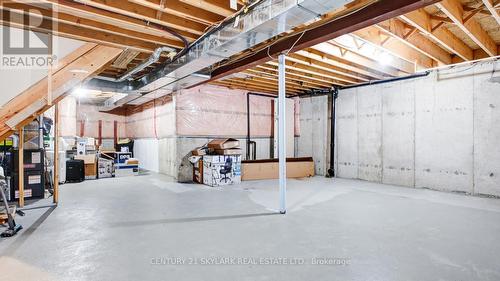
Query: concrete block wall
[[439, 132]]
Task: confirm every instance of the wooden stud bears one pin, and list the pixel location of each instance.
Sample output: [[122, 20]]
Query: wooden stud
[[21, 168], [56, 154], [63, 80], [115, 132]]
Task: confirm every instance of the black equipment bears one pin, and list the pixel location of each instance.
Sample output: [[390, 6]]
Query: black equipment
[[34, 178], [34, 185], [75, 171]]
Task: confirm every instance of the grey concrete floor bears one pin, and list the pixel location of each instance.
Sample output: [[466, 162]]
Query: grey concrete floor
[[136, 228]]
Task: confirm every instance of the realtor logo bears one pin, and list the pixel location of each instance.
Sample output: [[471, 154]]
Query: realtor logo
[[27, 40]]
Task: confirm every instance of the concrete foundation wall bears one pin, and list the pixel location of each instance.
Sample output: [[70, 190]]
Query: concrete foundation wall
[[439, 132], [314, 132]]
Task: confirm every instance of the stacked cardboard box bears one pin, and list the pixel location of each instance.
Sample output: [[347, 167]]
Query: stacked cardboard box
[[221, 162]]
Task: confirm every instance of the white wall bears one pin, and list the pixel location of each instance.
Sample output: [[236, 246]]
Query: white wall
[[146, 150], [439, 132]]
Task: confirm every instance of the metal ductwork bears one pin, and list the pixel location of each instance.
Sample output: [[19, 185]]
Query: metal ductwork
[[152, 59], [263, 21]]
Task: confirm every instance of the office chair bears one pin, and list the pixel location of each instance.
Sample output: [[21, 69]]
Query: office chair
[[227, 169]]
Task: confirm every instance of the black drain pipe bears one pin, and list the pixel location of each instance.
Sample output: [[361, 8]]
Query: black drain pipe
[[395, 79], [334, 94], [249, 142]]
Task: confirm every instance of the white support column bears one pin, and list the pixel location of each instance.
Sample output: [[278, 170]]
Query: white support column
[[281, 132]]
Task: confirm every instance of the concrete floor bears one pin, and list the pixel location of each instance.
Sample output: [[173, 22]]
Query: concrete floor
[[131, 228]]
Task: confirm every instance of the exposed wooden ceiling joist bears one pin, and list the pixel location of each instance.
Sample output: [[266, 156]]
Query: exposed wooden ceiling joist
[[377, 12], [220, 7], [302, 74], [356, 59], [326, 58], [422, 21], [291, 75], [455, 11], [302, 66], [232, 85], [175, 8], [415, 40], [61, 18], [301, 85], [111, 18], [143, 13], [70, 31], [395, 47], [490, 5]]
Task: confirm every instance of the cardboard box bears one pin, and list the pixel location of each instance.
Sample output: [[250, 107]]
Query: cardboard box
[[269, 169], [90, 171], [200, 151], [198, 172], [219, 170], [231, 151], [126, 170], [87, 159], [106, 168], [224, 143]]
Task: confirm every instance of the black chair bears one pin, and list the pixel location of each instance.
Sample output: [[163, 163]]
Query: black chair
[[228, 169]]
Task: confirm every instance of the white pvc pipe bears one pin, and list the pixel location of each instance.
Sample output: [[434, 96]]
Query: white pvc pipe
[[281, 132]]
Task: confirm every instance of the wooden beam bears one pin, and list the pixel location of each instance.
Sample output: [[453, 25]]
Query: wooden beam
[[58, 17], [14, 19], [326, 58], [144, 13], [272, 82], [454, 10], [220, 7], [246, 82], [357, 59], [20, 167], [63, 80], [491, 8], [55, 195], [302, 66], [118, 20], [291, 75], [422, 21], [328, 65], [290, 81], [179, 9], [394, 47], [398, 29], [246, 88], [326, 30], [302, 74]]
